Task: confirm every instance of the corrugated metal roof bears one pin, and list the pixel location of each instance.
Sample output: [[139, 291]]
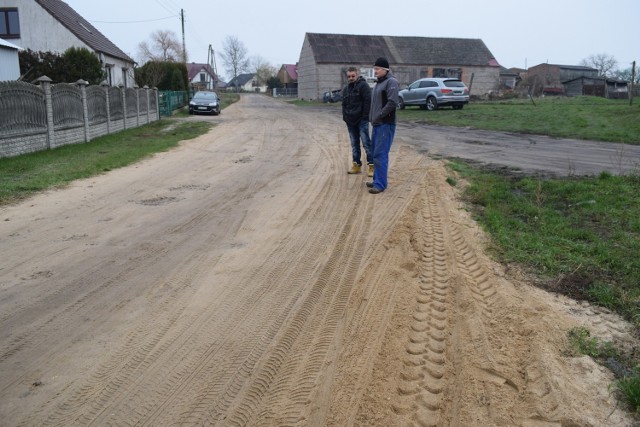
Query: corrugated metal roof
[[81, 28], [5, 43], [363, 49]]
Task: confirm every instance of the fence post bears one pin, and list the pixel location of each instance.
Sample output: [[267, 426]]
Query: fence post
[[105, 86], [146, 93], [157, 103], [85, 108], [45, 82], [123, 95], [136, 88]]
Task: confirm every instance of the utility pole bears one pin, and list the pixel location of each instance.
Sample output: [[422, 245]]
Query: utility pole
[[211, 61], [633, 79], [184, 46]]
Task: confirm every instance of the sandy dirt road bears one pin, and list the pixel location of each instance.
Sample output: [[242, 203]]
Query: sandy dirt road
[[244, 279]]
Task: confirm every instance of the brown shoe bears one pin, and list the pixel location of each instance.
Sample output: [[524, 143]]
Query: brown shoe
[[355, 168], [370, 172]]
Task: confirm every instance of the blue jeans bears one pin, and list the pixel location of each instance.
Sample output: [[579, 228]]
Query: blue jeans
[[360, 132], [381, 138]]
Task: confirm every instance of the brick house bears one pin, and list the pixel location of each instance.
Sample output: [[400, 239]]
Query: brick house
[[549, 78]]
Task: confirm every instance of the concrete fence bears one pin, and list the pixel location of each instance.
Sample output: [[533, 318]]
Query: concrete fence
[[45, 116]]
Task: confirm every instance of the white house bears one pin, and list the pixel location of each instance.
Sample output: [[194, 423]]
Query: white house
[[53, 26], [202, 76], [246, 83], [9, 64]]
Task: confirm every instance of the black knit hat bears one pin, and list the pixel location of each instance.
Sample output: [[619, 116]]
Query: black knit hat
[[382, 63]]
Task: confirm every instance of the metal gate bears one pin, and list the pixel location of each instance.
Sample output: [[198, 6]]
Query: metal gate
[[171, 100]]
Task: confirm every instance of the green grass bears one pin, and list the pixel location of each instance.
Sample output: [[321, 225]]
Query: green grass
[[578, 236], [589, 118], [25, 175]]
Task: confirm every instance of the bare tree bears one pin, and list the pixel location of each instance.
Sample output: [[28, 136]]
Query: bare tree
[[262, 68], [234, 56], [605, 64], [627, 75], [164, 46]]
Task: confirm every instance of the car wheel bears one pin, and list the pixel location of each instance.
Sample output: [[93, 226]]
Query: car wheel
[[432, 103], [401, 104]]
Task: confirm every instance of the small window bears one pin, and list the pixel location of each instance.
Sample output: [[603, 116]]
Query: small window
[[203, 77], [107, 69], [9, 23]]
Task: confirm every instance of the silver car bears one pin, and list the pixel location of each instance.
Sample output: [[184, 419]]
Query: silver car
[[431, 93]]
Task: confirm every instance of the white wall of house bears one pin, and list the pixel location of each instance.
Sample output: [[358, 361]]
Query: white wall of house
[[39, 31], [203, 79], [9, 63]]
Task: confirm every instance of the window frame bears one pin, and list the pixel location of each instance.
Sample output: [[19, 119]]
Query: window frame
[[11, 32]]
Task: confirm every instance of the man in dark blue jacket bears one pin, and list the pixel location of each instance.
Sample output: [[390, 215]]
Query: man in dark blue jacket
[[356, 102]]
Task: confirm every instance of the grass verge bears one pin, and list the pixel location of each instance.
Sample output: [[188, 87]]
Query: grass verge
[[24, 175], [579, 236], [590, 118]]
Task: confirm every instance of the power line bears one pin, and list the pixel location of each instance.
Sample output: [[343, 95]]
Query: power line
[[165, 7], [132, 22]]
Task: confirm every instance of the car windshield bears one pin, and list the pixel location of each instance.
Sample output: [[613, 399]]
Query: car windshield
[[205, 95], [453, 83]]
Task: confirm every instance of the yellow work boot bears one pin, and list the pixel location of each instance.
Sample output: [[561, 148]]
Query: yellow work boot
[[355, 168], [370, 172]]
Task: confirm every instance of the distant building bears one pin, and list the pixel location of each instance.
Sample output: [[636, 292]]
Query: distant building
[[549, 78], [9, 62], [288, 75], [597, 86], [509, 78], [245, 83], [202, 76], [324, 59], [53, 26]]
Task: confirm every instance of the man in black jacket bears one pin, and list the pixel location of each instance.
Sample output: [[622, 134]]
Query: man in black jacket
[[356, 103]]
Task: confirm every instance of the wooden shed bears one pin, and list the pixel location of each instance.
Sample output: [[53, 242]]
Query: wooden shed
[[597, 86]]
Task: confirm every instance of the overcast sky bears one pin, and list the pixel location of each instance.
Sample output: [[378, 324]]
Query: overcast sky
[[519, 34]]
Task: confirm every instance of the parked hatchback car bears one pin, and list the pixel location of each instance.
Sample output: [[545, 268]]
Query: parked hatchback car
[[432, 93], [205, 102]]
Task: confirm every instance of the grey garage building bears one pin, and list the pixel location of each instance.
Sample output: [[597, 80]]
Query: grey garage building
[[324, 59]]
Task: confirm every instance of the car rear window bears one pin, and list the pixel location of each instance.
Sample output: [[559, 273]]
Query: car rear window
[[453, 83]]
